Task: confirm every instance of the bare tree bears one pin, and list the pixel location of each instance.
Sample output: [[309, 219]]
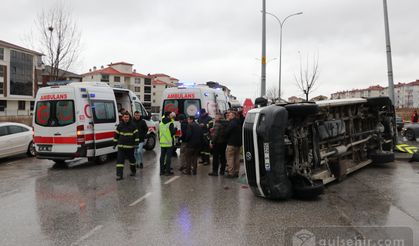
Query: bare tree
[[308, 76], [59, 38], [272, 93]]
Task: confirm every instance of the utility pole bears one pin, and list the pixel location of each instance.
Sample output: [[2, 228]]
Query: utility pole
[[389, 61], [263, 60]]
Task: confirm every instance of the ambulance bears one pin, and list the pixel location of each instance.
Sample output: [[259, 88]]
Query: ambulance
[[189, 99], [79, 120]]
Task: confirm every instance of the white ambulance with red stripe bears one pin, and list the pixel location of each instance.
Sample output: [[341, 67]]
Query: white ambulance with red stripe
[[189, 99], [79, 120]]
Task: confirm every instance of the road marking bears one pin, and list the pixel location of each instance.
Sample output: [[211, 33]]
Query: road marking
[[171, 180], [140, 199], [8, 192], [87, 235]]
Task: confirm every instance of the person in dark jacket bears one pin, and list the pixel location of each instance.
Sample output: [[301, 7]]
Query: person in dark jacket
[[193, 139], [234, 143], [218, 146], [126, 138], [142, 133], [205, 122], [183, 127], [414, 117], [166, 134]]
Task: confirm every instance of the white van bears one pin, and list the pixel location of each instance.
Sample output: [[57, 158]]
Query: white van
[[79, 120], [189, 100]]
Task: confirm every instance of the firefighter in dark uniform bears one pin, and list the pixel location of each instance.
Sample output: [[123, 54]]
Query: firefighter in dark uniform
[[206, 123], [127, 140]]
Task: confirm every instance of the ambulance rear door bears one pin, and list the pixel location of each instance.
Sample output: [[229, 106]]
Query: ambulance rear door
[[55, 126]]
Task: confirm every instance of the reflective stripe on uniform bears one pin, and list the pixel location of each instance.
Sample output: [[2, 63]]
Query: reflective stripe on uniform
[[205, 153], [119, 165], [125, 146], [127, 133], [115, 140]]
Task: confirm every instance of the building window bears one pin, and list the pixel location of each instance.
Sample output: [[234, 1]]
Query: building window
[[92, 76], [154, 86], [147, 106], [147, 81], [21, 105], [137, 80], [3, 105], [147, 89], [104, 78], [154, 101], [32, 105], [147, 98], [21, 74], [117, 79], [137, 89], [154, 93], [1, 54], [2, 73]]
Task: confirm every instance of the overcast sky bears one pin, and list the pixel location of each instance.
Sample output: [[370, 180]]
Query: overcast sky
[[220, 40]]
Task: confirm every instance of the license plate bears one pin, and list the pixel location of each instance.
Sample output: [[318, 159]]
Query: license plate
[[44, 148]]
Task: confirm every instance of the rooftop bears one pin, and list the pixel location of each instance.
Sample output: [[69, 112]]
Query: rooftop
[[17, 47]]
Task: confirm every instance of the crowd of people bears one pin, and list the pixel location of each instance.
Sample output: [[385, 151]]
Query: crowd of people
[[201, 137]]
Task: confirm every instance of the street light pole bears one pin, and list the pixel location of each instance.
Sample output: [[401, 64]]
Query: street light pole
[[263, 61], [281, 24], [388, 48]]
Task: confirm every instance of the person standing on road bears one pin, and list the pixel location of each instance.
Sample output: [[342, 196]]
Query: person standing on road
[[126, 138], [183, 127], [142, 132], [193, 139], [205, 122], [166, 134], [219, 145], [414, 118], [234, 143]]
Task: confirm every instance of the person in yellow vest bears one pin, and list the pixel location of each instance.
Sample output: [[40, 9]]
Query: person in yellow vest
[[127, 140], [167, 131]]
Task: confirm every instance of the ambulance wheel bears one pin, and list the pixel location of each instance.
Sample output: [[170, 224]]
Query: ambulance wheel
[[101, 159], [31, 149], [150, 143]]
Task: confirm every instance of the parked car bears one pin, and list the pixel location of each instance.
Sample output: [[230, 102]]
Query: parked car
[[399, 122], [295, 149], [16, 138]]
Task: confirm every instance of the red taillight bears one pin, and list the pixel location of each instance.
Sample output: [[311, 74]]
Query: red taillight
[[80, 134]]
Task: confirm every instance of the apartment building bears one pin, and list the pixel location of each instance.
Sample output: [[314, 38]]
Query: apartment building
[[20, 71], [149, 88], [406, 95]]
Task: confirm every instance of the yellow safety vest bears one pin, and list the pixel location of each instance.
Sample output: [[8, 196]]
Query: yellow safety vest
[[165, 135]]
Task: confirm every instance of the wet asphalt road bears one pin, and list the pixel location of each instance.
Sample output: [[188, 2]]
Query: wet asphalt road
[[84, 205]]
